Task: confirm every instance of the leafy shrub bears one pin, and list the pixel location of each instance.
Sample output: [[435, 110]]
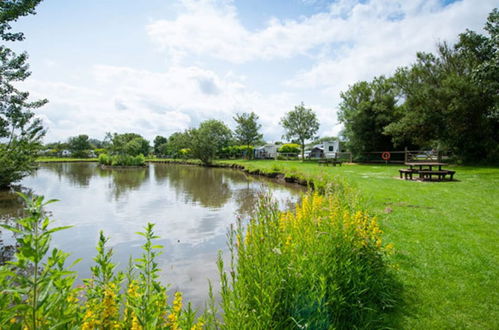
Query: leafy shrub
[[42, 295], [105, 159], [185, 153], [236, 152], [321, 266], [122, 160], [290, 148]]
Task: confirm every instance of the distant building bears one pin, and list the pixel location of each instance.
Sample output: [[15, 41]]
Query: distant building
[[328, 149], [268, 151]]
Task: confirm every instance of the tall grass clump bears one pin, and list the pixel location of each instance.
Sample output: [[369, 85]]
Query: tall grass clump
[[37, 288], [320, 266], [122, 160]]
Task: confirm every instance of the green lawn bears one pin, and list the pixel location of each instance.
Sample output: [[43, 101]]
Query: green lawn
[[446, 237]]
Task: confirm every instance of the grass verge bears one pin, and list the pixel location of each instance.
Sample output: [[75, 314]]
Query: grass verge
[[444, 233]]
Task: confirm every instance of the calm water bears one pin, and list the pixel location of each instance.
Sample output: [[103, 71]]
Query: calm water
[[191, 206]]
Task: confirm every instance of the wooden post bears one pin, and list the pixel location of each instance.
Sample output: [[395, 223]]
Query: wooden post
[[405, 155], [439, 153]]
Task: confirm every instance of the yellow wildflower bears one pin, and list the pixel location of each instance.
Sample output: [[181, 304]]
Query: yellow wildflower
[[135, 323], [172, 319], [198, 326], [133, 290]]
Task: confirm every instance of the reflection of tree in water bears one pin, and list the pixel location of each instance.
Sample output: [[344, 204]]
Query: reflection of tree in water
[[247, 199], [207, 186], [11, 204], [11, 208], [125, 179], [78, 174]]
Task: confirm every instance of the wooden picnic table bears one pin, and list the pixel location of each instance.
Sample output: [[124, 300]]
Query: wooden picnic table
[[429, 165], [426, 171]]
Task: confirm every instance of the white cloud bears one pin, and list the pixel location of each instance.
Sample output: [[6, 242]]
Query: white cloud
[[211, 28], [350, 41], [384, 35], [347, 42], [151, 103]]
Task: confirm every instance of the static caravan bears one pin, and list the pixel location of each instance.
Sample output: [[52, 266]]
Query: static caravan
[[325, 150], [268, 151], [331, 148]]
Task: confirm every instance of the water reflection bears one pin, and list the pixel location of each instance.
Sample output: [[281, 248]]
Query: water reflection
[[191, 206], [205, 186], [124, 180], [78, 174], [11, 205]]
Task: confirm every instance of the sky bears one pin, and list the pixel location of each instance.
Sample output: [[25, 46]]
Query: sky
[[157, 67]]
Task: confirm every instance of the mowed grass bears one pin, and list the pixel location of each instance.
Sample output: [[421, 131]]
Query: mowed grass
[[446, 238]]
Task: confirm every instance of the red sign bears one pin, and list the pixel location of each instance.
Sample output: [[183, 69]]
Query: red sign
[[386, 155]]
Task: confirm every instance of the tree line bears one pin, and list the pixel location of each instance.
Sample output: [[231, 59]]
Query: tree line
[[212, 139], [447, 100]]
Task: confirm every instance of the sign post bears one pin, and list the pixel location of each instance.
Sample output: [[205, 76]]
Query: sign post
[[386, 156]]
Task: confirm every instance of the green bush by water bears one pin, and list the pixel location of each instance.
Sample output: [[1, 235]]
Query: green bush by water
[[122, 160]]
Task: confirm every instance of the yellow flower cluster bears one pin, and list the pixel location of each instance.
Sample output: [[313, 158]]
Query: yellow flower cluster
[[317, 215], [135, 323], [173, 317], [110, 307], [133, 290], [198, 326], [90, 320], [104, 313]]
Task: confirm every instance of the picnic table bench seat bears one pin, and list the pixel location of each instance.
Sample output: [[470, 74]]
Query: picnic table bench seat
[[426, 174], [407, 173]]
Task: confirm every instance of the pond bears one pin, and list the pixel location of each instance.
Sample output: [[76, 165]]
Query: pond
[[191, 206]]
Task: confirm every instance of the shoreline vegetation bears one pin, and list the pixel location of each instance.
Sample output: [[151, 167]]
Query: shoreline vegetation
[[443, 233], [321, 265]]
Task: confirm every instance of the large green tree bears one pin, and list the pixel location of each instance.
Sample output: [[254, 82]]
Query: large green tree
[[79, 145], [365, 110], [20, 131], [176, 142], [209, 139], [160, 145], [300, 124], [448, 100], [247, 129], [451, 97], [131, 144]]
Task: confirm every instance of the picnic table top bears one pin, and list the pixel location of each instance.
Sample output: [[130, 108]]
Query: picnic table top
[[425, 164]]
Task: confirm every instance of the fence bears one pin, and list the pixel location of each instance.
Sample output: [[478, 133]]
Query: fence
[[401, 157]]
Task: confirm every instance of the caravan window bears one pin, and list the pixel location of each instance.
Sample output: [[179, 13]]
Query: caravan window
[[331, 148]]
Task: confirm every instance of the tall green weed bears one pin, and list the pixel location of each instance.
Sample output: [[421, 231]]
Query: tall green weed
[[321, 266], [37, 288]]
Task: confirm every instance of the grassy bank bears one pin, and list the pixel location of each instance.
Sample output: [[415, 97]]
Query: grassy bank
[[64, 160], [445, 237]]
